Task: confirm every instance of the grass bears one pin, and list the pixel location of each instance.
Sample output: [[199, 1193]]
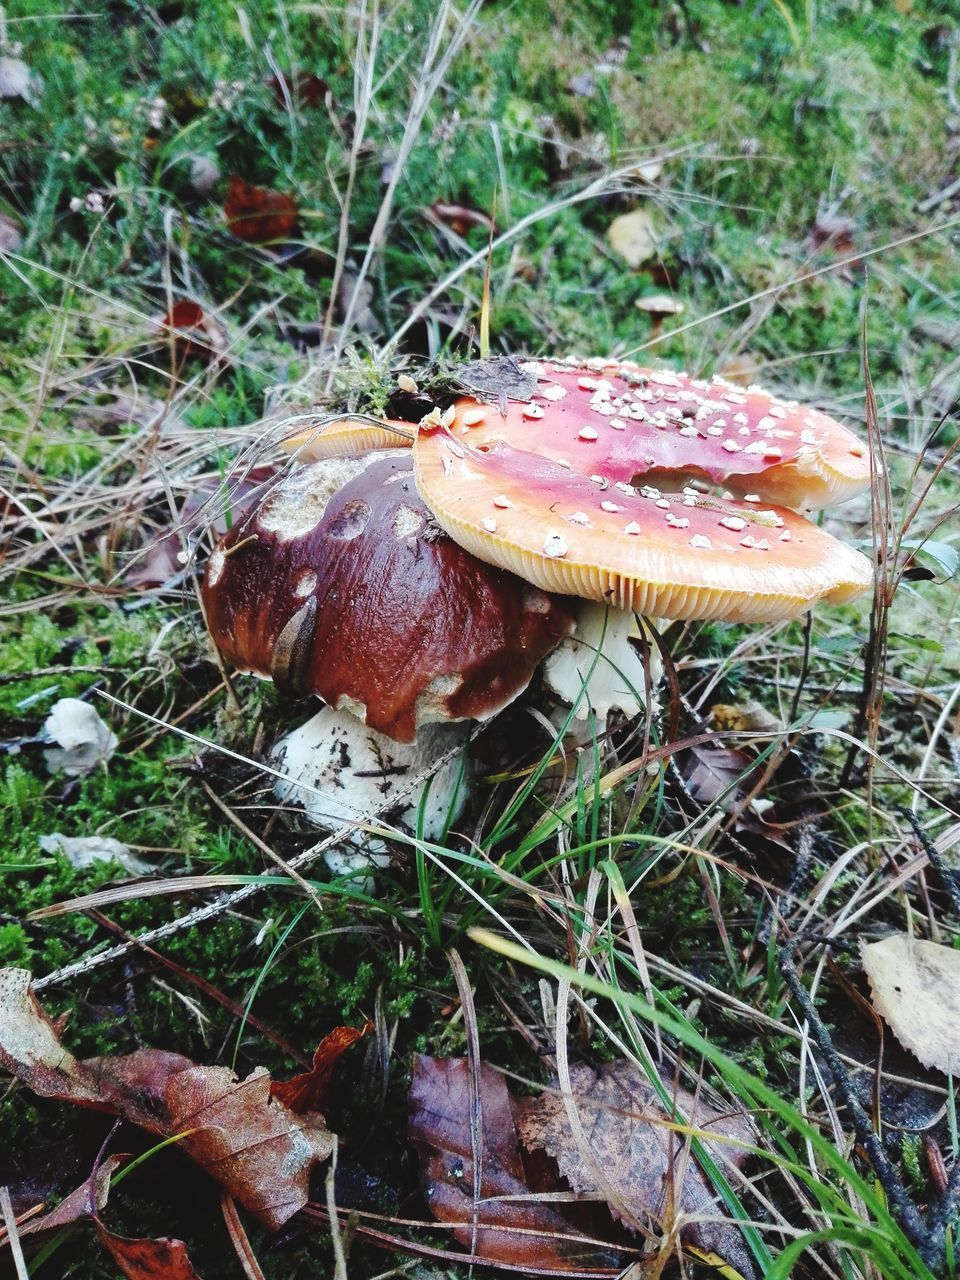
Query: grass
[[775, 126]]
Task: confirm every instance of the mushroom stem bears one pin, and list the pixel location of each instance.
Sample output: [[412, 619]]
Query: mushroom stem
[[601, 666], [340, 770]]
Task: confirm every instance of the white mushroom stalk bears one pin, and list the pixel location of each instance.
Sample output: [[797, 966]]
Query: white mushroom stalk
[[340, 771], [601, 667]]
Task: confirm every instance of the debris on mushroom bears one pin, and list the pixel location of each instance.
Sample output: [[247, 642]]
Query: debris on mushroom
[[341, 771]]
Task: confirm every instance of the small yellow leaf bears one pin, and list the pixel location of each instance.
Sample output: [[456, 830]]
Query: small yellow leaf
[[634, 236], [915, 987]]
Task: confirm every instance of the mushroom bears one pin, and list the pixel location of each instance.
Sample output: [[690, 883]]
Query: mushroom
[[340, 584], [658, 307], [340, 437], [587, 489]]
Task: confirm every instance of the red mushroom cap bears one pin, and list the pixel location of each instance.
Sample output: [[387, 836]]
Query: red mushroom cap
[[624, 422], [358, 596]]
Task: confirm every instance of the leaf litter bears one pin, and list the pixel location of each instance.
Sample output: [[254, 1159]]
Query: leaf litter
[[240, 1133], [638, 1160]]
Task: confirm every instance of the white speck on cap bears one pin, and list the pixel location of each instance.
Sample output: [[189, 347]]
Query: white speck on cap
[[733, 522], [579, 517], [632, 528], [609, 506], [501, 500], [489, 524], [663, 504], [731, 446], [532, 411], [618, 424], [554, 392], [473, 417], [554, 544], [678, 522], [700, 542], [588, 433]]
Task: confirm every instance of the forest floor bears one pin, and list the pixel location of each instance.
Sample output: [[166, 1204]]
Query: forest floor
[[216, 217]]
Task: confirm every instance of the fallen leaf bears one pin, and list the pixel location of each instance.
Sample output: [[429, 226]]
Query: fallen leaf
[[525, 1232], [741, 369], [717, 775], [161, 1259], [83, 851], [254, 1146], [635, 1160], [161, 560], [915, 987], [744, 717], [498, 378], [89, 1198], [308, 1092], [634, 237], [257, 215], [458, 217], [83, 739]]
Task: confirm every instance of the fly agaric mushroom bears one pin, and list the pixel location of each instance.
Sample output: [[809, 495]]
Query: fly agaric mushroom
[[343, 436], [340, 584], [586, 489]]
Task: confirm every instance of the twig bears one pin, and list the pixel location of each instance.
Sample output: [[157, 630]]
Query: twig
[[947, 877], [13, 1239], [228, 901], [903, 1207], [238, 1238]]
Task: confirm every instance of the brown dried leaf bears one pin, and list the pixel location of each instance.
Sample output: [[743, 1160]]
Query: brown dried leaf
[[161, 561], [635, 1159], [86, 1200], [257, 215], [307, 90], [915, 987], [308, 1092], [522, 1233], [717, 775], [162, 1259], [254, 1146]]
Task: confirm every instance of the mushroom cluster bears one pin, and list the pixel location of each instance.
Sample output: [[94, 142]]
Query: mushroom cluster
[[415, 589]]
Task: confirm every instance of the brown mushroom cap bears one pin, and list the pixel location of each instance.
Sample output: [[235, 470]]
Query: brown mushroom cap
[[357, 596], [624, 422]]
